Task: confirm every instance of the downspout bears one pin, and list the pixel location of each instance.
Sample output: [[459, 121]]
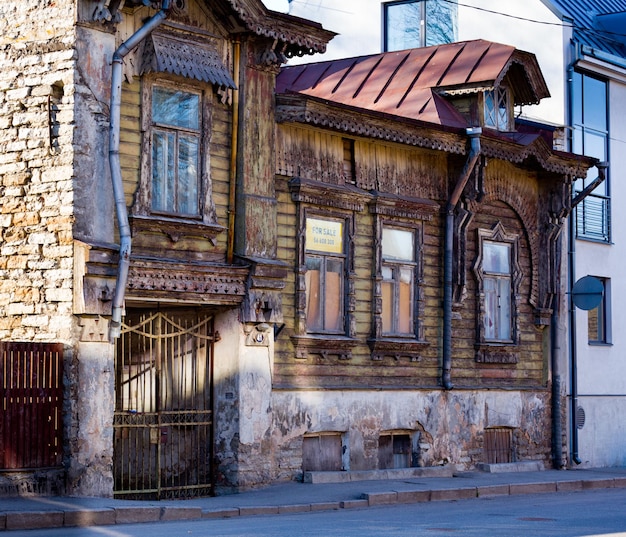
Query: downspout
[[233, 156], [602, 167], [472, 157], [116, 170]]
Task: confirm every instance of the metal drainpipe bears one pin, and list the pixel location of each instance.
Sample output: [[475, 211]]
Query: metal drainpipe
[[474, 153], [116, 170], [233, 156], [557, 429]]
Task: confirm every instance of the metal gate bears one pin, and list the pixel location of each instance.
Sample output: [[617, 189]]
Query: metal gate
[[163, 417]]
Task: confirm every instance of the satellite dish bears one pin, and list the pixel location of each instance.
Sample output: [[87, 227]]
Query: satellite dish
[[587, 293]]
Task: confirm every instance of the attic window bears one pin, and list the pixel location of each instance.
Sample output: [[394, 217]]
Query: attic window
[[498, 110]]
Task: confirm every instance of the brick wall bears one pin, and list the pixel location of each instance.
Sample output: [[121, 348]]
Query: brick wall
[[36, 156]]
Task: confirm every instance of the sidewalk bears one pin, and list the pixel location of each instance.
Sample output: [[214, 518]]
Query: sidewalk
[[293, 497]]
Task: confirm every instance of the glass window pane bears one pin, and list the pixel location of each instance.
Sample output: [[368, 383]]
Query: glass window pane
[[398, 244], [175, 108], [333, 295], [577, 92], [490, 109], [313, 294], [504, 309], [491, 308], [188, 175], [594, 103], [403, 25], [405, 302], [441, 22], [163, 177], [496, 257]]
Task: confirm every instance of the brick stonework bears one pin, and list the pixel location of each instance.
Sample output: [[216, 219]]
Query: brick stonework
[[36, 155]]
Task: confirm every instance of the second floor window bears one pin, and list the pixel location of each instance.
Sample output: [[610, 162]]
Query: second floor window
[[398, 267], [324, 278], [176, 137]]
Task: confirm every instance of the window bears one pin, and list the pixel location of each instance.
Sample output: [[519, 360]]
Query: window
[[590, 137], [498, 109], [497, 290], [175, 151], [598, 319], [411, 23], [394, 451], [324, 260], [398, 267], [499, 277]]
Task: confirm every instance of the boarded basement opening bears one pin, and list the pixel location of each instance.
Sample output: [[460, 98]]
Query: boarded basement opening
[[394, 451], [498, 445], [321, 453]]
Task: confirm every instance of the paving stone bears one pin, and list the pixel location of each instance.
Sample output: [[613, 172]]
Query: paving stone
[[91, 517], [131, 515], [492, 490], [532, 488], [380, 498], [31, 520], [569, 486], [259, 510], [296, 508], [325, 506], [180, 513], [591, 484], [413, 496], [220, 513], [353, 504], [453, 494]]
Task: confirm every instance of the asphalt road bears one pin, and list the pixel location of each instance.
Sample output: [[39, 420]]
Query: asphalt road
[[576, 514]]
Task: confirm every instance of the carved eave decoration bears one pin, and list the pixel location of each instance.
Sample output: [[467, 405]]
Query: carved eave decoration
[[210, 284], [356, 121], [403, 206], [511, 147], [345, 197], [299, 36]]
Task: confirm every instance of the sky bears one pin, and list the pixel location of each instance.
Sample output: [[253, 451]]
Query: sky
[[526, 24]]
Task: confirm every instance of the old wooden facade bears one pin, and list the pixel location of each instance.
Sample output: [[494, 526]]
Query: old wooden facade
[[381, 181], [254, 272]]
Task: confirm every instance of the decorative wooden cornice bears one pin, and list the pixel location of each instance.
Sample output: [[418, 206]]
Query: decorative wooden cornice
[[397, 349], [342, 118], [300, 36], [345, 197], [175, 228], [204, 284], [324, 346], [403, 207]]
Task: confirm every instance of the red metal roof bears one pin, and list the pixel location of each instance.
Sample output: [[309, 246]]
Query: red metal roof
[[410, 83]]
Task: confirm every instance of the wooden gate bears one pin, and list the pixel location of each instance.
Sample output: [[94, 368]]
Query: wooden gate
[[31, 401], [163, 418]]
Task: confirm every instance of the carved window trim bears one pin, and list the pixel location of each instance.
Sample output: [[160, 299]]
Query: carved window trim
[[142, 216], [327, 202], [492, 350], [408, 214]]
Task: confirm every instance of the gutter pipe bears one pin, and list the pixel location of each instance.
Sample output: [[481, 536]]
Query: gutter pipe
[[233, 156], [116, 170], [474, 152]]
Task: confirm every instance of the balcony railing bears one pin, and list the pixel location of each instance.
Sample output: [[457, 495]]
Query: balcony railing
[[593, 218]]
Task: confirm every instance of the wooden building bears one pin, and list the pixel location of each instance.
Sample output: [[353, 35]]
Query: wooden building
[[422, 224], [247, 273]]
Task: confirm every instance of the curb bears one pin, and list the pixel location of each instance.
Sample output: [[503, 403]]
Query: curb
[[27, 520]]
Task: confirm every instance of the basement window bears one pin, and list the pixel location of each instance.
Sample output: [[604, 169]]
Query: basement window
[[394, 451], [322, 453]]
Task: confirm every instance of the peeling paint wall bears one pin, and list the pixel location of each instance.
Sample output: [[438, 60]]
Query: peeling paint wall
[[450, 425]]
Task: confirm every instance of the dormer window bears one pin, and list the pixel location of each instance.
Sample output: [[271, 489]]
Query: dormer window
[[498, 110]]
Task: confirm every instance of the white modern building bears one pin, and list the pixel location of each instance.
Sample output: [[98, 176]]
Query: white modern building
[[581, 49]]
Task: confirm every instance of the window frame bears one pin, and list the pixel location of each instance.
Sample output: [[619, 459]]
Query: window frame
[[430, 33], [143, 216], [603, 332], [502, 100], [326, 257], [497, 235], [599, 200], [396, 266]]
